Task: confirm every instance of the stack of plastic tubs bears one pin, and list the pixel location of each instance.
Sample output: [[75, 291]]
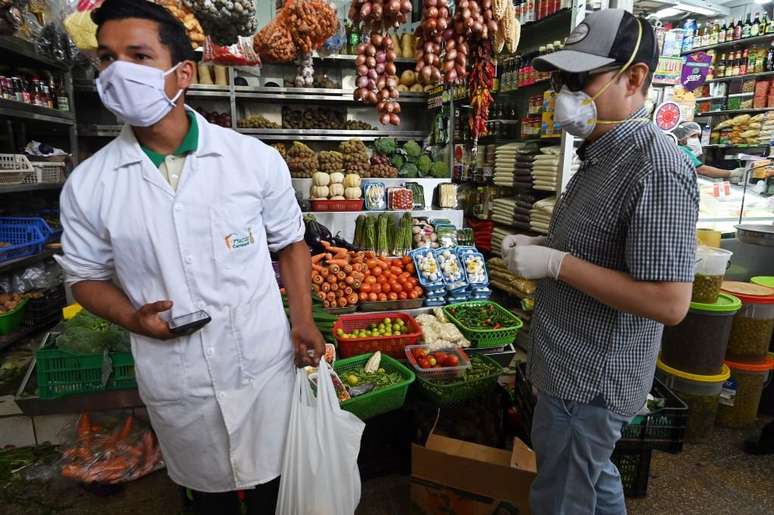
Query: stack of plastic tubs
[[691, 362], [747, 355]]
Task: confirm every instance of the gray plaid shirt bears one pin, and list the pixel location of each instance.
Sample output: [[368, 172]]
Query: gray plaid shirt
[[632, 207]]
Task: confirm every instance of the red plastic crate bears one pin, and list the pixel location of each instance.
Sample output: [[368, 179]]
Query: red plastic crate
[[337, 205], [390, 345]]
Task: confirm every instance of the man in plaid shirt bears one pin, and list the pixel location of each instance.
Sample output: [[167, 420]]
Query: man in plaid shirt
[[616, 265]]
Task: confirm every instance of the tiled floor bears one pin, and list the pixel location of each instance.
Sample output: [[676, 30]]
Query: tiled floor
[[707, 479]]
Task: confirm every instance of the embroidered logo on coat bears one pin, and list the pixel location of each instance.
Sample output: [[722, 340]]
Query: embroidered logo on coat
[[238, 241]]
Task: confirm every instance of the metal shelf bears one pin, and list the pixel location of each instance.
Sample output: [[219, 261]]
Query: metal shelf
[[25, 262], [729, 44], [544, 82], [18, 188], [717, 145], [352, 57], [330, 134], [21, 50], [742, 77], [736, 111], [707, 99], [35, 113], [314, 94], [741, 95]]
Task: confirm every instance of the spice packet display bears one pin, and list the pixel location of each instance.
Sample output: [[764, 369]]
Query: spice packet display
[[428, 270], [375, 195], [241, 53], [424, 234], [451, 270], [400, 199], [341, 391], [474, 265], [418, 192], [447, 235]]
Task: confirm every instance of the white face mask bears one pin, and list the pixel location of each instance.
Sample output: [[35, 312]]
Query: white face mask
[[576, 111], [695, 145], [135, 92]]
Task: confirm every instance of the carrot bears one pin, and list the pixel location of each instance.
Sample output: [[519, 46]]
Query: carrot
[[126, 429], [325, 244], [343, 302], [337, 250], [321, 296], [356, 285], [358, 276], [349, 280], [341, 275], [331, 297], [357, 267], [348, 269], [352, 299], [326, 304], [348, 291], [325, 272], [341, 263], [334, 267], [332, 278], [317, 268], [84, 428], [339, 294], [318, 257], [335, 287], [318, 279], [326, 287]]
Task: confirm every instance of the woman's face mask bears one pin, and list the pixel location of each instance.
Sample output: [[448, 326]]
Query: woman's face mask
[[694, 143]]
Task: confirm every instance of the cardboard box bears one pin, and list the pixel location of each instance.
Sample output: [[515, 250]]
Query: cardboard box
[[455, 477]]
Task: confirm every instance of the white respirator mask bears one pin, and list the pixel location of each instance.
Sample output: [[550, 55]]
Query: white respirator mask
[[135, 92]]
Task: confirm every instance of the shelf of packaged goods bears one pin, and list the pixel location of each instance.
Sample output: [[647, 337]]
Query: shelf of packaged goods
[[302, 185], [20, 52], [31, 112], [741, 95], [21, 188], [541, 23], [742, 77], [724, 146], [736, 111], [737, 42], [330, 134], [544, 82]]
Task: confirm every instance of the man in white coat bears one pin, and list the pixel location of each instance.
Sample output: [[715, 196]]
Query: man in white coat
[[175, 216]]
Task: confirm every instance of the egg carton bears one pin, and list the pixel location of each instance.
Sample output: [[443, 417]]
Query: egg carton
[[474, 264], [428, 270], [451, 269]]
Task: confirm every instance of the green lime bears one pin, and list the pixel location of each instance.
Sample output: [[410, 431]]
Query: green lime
[[352, 380], [381, 371]]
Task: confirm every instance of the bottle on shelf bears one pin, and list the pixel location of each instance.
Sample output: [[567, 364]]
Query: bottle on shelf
[[720, 68], [698, 35], [770, 25], [735, 63], [714, 36], [722, 32], [746, 27], [770, 58], [743, 62], [730, 31], [755, 29], [738, 29], [752, 60]]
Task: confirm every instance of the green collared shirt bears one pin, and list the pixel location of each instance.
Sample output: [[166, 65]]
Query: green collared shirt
[[171, 166]]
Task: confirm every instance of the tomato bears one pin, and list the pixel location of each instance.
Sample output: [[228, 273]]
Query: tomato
[[403, 295], [365, 288], [363, 296], [396, 270], [413, 281], [410, 268], [423, 363], [405, 275], [393, 296], [377, 271], [376, 288], [432, 361], [397, 287], [386, 288], [420, 353], [406, 260], [372, 297], [382, 297], [452, 360], [418, 291], [370, 279], [390, 277], [413, 294], [441, 357]]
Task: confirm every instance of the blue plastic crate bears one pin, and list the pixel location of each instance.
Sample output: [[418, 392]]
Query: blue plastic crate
[[26, 236], [56, 229]]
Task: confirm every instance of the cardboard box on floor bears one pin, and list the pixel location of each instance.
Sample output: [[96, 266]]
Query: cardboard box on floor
[[455, 477]]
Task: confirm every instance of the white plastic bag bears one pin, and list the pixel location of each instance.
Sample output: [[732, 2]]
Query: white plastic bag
[[319, 467]]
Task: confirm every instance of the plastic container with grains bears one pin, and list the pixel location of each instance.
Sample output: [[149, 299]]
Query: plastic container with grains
[[741, 393], [700, 392], [753, 325], [698, 344], [711, 265]]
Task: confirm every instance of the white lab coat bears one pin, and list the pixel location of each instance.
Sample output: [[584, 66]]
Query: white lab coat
[[219, 400]]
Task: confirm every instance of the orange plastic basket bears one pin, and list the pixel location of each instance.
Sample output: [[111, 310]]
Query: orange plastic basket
[[390, 345]]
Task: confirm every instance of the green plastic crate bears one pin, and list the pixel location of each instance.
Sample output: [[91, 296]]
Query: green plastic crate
[[445, 394], [61, 373], [11, 321], [379, 401], [487, 338]]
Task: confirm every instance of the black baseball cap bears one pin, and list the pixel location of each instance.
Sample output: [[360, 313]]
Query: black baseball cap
[[604, 38]]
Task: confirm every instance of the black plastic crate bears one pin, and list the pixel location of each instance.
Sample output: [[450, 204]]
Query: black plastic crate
[[663, 430], [47, 310], [634, 467]]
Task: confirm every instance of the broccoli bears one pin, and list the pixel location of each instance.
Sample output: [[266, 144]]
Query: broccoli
[[385, 146], [439, 170], [409, 170], [398, 161], [412, 148], [423, 164]]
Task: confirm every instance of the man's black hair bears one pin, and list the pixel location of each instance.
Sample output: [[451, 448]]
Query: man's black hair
[[172, 33]]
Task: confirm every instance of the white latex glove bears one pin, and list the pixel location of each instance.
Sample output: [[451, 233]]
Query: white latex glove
[[535, 262], [737, 175], [519, 240]]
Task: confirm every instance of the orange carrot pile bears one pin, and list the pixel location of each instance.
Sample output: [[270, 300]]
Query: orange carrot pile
[[342, 278]]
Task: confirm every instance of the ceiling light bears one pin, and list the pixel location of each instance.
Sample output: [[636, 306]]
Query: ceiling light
[[762, 2], [706, 11], [668, 12]]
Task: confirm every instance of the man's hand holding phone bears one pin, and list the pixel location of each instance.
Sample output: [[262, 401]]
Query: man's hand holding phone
[[147, 322]]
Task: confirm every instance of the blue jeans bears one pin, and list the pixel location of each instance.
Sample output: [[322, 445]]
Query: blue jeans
[[573, 443]]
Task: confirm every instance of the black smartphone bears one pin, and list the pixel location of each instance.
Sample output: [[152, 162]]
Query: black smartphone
[[189, 324]]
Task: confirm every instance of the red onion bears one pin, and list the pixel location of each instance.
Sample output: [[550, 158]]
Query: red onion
[[370, 50], [427, 73], [380, 68], [384, 119], [376, 40], [432, 12], [362, 70], [390, 69], [435, 75], [371, 62], [372, 74], [362, 82], [394, 119], [391, 56]]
